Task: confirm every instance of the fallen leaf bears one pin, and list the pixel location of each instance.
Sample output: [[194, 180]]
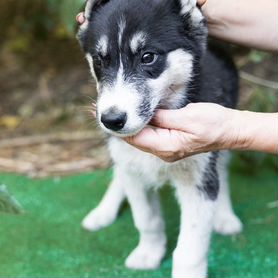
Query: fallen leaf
[[10, 122]]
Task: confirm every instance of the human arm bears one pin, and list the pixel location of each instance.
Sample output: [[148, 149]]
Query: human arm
[[204, 127], [250, 23]]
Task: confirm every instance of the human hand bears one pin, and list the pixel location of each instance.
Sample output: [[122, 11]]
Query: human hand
[[197, 128], [200, 3], [80, 18]]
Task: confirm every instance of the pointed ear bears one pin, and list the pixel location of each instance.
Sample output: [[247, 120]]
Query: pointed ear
[[189, 8], [194, 21], [93, 5]]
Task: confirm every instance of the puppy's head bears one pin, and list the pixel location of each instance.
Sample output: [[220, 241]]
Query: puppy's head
[[142, 55]]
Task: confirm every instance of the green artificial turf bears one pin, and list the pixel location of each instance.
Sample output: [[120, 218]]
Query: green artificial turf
[[47, 240]]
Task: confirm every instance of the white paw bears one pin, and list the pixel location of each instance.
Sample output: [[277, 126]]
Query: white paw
[[227, 224], [199, 271], [145, 257], [97, 219]]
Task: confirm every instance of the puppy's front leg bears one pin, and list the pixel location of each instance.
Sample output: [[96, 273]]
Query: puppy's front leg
[[106, 212], [147, 217], [190, 255]]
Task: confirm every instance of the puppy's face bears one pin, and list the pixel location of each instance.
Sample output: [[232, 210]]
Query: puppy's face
[[141, 58]]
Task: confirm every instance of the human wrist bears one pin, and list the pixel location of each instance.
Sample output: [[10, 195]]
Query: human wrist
[[243, 131], [253, 131], [232, 135]]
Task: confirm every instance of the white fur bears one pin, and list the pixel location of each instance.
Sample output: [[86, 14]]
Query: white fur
[[225, 220], [141, 172], [123, 96], [102, 45], [88, 8], [122, 26], [174, 79], [107, 210], [137, 40], [87, 12], [91, 65], [138, 175], [188, 6]]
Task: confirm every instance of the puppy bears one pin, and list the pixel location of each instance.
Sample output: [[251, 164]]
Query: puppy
[[145, 55]]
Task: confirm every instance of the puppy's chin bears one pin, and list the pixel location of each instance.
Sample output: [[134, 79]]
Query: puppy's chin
[[122, 133]]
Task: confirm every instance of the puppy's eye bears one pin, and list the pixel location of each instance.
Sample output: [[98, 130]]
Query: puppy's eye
[[97, 61], [148, 58]]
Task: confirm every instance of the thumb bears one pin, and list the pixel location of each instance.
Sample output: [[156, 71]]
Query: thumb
[[170, 119]]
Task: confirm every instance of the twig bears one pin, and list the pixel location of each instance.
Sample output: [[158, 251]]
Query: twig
[[259, 81], [74, 166], [14, 165], [96, 138]]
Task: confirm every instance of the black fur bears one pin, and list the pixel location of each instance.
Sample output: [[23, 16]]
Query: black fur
[[165, 29], [214, 79], [210, 180]]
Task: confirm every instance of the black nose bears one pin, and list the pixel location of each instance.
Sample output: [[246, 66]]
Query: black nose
[[114, 120]]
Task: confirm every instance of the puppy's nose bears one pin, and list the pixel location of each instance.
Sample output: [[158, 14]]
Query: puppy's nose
[[114, 120]]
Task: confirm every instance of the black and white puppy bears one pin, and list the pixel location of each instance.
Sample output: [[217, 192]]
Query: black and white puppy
[[145, 55]]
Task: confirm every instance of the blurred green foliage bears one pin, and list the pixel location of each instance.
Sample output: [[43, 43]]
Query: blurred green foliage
[[257, 57], [67, 10], [38, 18]]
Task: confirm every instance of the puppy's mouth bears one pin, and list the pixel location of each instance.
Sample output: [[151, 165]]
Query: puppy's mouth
[[125, 131], [120, 125]]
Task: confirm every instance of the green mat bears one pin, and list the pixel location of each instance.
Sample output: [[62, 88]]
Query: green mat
[[47, 240]]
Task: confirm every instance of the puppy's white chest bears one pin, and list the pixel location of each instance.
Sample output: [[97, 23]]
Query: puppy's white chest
[[142, 165], [152, 170]]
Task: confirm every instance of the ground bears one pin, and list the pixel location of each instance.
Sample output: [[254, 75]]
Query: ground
[[48, 241]]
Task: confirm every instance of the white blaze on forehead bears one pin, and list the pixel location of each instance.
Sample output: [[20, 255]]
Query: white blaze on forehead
[[123, 96], [122, 26], [138, 40], [102, 45]]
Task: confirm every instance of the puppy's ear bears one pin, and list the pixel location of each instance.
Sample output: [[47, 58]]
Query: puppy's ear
[[93, 5], [189, 8], [194, 21]]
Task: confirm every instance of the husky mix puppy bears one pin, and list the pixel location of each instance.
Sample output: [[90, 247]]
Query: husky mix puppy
[[145, 55]]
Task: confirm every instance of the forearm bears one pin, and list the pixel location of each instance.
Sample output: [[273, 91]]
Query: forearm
[[255, 131], [247, 22]]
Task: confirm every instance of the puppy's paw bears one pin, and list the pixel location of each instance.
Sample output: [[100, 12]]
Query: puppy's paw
[[98, 219], [190, 272], [145, 257], [227, 224]]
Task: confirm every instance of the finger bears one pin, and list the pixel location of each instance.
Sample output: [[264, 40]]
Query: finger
[[80, 18], [150, 140], [170, 119], [200, 3]]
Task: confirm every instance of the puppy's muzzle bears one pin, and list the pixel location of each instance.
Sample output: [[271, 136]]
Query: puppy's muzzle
[[114, 119]]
